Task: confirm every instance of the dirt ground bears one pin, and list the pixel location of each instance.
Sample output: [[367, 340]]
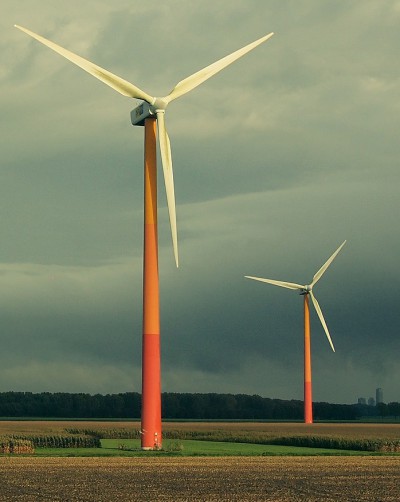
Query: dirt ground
[[277, 479]]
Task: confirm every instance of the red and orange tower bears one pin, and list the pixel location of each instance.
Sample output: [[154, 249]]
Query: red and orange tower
[[151, 359], [308, 408]]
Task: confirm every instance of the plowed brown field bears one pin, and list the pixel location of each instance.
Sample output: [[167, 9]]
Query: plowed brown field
[[286, 479]]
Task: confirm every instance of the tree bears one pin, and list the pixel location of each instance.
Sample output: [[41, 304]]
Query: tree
[[393, 409], [382, 409]]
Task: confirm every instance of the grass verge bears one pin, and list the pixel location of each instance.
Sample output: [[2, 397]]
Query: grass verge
[[191, 448]]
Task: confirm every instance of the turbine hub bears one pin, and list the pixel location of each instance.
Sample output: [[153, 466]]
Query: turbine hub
[[306, 290], [159, 104]]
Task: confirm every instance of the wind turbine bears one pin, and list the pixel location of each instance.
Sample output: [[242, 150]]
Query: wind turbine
[[148, 113], [307, 290]]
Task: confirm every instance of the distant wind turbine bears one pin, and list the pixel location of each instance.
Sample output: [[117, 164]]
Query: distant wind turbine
[[307, 290], [152, 110]]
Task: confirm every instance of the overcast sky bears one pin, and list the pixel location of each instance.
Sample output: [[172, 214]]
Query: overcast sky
[[277, 160]]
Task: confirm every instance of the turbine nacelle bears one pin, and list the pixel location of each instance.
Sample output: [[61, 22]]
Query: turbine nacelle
[[146, 110], [142, 112], [306, 290]]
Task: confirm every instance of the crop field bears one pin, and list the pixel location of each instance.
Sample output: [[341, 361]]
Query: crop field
[[267, 429], [277, 479], [303, 439], [275, 429], [238, 462]]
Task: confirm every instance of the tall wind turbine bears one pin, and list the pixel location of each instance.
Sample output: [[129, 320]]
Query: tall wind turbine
[[148, 113], [307, 290]]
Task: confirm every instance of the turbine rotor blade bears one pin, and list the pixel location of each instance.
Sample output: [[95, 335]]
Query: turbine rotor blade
[[282, 284], [321, 271], [117, 83], [321, 318], [201, 76], [166, 159]]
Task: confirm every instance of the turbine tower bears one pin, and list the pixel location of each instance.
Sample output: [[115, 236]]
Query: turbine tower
[[307, 290], [149, 113]]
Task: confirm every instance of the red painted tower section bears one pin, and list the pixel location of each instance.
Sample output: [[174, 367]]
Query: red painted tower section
[[308, 411], [151, 365]]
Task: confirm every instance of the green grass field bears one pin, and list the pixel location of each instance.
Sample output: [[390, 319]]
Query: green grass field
[[131, 448]]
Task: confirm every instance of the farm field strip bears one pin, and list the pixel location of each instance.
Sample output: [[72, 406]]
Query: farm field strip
[[273, 429], [195, 448], [353, 430], [235, 477], [278, 479], [202, 438]]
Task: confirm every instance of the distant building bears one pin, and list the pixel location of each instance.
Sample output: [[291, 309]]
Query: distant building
[[362, 400], [371, 401], [379, 395]]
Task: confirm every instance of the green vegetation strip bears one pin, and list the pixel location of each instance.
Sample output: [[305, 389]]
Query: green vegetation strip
[[255, 438], [375, 445], [188, 448], [195, 447], [52, 441], [104, 441]]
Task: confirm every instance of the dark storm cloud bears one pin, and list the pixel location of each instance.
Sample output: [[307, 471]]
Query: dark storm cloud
[[277, 160]]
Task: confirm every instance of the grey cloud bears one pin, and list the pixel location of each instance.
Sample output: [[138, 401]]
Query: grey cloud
[[277, 161]]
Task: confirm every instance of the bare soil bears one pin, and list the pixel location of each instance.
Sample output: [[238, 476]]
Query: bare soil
[[277, 479]]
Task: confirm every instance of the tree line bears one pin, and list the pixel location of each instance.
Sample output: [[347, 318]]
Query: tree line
[[178, 406]]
